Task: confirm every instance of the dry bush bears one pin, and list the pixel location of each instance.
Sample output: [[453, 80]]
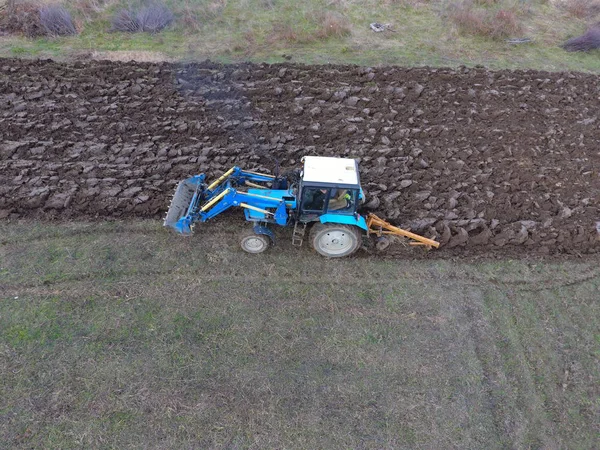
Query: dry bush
[[505, 22], [190, 19], [484, 22], [213, 9], [150, 19], [189, 16], [333, 24], [468, 19], [89, 9], [125, 20], [322, 26], [155, 18], [581, 9], [590, 40], [57, 21], [23, 18]]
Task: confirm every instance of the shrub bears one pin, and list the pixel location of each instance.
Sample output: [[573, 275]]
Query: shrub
[[505, 23], [484, 22], [469, 20], [57, 21], [150, 19], [590, 40], [23, 18], [189, 16], [125, 20], [155, 18], [581, 9]]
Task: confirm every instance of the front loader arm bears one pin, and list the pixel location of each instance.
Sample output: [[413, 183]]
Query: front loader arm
[[232, 197], [189, 204], [237, 177]]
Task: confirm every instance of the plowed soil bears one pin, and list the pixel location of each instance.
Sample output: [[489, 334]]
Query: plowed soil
[[487, 162]]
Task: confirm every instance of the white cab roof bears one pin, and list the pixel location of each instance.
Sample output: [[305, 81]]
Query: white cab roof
[[321, 169]]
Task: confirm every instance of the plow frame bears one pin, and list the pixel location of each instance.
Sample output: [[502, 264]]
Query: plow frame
[[379, 227]]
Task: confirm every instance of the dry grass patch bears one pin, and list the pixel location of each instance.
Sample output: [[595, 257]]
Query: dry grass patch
[[411, 3], [492, 23], [287, 32], [91, 9], [333, 24], [126, 56], [311, 28], [582, 9]]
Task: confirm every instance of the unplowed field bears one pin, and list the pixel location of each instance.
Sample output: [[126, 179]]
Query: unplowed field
[[487, 162]]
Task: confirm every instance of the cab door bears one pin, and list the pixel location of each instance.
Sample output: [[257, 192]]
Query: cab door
[[313, 203]]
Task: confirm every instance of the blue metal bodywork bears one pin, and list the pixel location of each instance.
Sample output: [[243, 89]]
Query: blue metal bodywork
[[356, 220], [283, 196], [195, 201]]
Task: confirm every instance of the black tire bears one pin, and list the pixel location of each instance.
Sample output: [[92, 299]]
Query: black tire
[[254, 243], [334, 240]]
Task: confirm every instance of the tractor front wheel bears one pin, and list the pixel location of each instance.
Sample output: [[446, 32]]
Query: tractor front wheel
[[254, 243], [335, 240]]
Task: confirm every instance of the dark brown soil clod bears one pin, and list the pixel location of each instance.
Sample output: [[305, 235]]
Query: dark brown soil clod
[[497, 162]]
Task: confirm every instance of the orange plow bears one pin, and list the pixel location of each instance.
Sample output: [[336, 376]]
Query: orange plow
[[380, 228]]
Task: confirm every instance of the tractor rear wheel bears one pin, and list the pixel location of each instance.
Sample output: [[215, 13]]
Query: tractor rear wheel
[[254, 243], [335, 240]]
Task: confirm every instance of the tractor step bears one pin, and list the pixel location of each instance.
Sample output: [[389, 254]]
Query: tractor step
[[298, 234]]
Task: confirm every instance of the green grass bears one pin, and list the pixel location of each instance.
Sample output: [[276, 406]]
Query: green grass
[[266, 30], [121, 335]]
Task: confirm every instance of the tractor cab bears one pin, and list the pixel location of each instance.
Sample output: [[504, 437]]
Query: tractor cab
[[328, 186]]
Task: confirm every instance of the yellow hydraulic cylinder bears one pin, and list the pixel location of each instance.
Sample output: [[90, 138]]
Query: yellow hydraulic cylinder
[[215, 200], [261, 174], [221, 178], [254, 185], [258, 196], [254, 208]]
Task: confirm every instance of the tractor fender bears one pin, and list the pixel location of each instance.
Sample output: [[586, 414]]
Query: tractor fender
[[259, 229], [356, 220]]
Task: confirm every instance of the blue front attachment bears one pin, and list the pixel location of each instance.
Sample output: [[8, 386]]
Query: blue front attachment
[[187, 196]]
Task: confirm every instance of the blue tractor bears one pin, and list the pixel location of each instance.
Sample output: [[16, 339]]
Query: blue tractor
[[324, 195]]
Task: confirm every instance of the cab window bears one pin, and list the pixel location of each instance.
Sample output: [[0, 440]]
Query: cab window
[[342, 201], [313, 199]]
